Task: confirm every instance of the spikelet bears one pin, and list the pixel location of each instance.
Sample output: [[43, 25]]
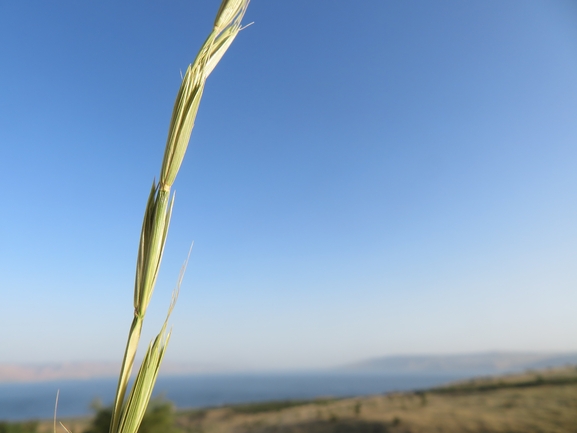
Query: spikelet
[[226, 27]]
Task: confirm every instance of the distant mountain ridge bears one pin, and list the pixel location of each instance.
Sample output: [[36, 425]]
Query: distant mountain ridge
[[475, 364], [54, 371], [81, 370], [467, 364]]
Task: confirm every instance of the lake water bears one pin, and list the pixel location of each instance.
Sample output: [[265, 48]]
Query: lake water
[[20, 401]]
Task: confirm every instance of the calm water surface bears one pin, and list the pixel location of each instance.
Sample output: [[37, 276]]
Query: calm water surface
[[36, 400]]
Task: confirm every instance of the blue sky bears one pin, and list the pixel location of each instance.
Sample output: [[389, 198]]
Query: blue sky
[[363, 180]]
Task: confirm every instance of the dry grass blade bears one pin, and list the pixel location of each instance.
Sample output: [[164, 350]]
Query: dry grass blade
[[56, 408]]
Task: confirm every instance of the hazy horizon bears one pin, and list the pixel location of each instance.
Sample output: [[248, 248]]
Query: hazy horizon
[[462, 364], [363, 180]]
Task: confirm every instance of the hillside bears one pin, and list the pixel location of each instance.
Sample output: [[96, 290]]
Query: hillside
[[541, 401], [531, 402]]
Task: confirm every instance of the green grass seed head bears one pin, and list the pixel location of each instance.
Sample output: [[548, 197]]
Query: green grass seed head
[[127, 415], [227, 26]]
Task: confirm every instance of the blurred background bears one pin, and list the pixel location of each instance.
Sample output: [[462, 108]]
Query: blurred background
[[364, 180]]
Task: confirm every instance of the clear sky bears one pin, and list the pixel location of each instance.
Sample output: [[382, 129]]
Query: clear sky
[[364, 179]]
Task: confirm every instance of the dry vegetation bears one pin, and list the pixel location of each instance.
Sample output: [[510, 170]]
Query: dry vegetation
[[544, 401]]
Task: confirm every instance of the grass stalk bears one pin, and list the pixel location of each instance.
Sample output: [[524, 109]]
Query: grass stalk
[[128, 412]]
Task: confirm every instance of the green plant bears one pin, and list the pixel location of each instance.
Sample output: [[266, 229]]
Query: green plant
[[357, 408], [128, 412], [158, 418], [18, 427]]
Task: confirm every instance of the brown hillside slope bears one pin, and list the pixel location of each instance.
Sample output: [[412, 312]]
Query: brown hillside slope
[[533, 402], [544, 401]]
